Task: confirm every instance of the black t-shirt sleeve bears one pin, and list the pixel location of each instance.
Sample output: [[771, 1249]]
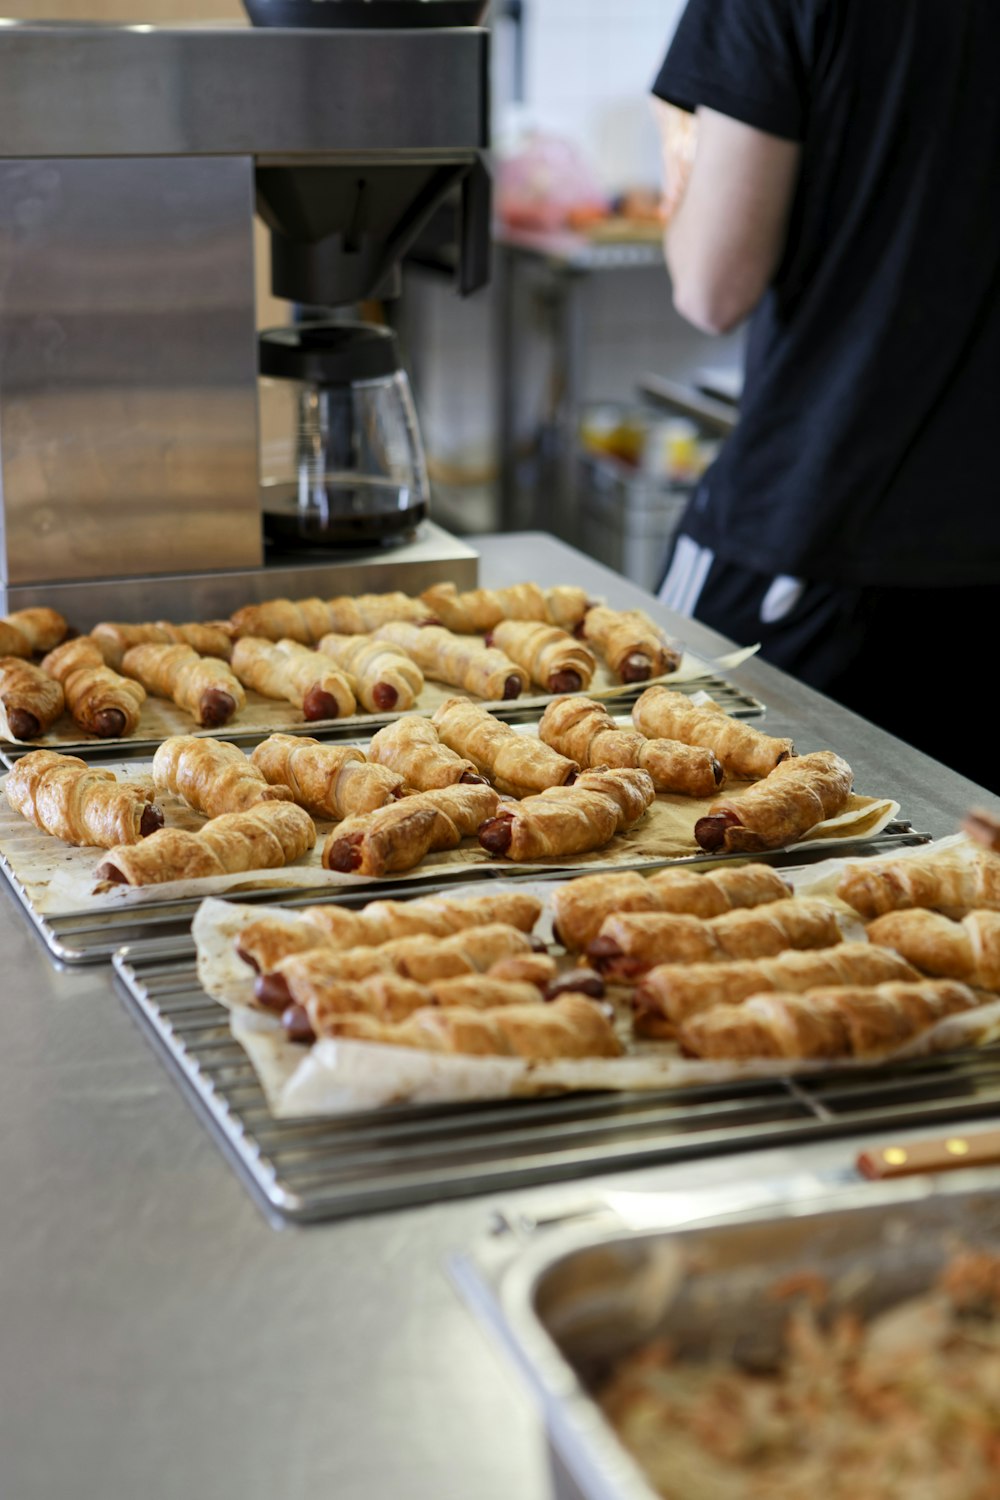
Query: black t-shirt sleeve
[[742, 58]]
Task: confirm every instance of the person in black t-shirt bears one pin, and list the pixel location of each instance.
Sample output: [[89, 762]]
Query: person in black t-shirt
[[845, 190]]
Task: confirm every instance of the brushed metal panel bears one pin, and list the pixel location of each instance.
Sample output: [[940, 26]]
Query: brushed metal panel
[[128, 390]]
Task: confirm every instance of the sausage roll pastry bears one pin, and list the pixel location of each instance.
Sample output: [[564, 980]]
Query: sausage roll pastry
[[32, 700], [968, 950], [385, 679], [581, 906], [587, 733], [825, 1023], [28, 630], [478, 610], [308, 620], [330, 781], [572, 1027], [745, 752], [632, 645], [671, 994], [81, 804], [551, 657], [516, 764], [783, 807], [460, 661], [569, 819], [303, 677], [951, 883], [980, 825], [398, 837], [413, 747], [630, 944], [203, 686], [212, 776], [262, 944], [100, 701], [567, 606], [388, 997], [207, 640], [364, 614], [264, 837]]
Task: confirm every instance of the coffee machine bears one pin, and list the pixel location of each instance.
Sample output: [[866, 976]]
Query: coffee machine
[[132, 161]]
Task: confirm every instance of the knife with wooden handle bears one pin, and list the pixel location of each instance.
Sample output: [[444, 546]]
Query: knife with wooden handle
[[946, 1154]]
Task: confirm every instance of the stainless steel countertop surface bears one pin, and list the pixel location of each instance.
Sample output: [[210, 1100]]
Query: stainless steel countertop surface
[[159, 1339]]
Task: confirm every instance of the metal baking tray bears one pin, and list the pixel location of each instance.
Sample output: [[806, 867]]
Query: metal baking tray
[[571, 1304], [320, 1169]]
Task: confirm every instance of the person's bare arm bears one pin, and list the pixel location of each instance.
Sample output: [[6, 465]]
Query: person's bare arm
[[726, 238]]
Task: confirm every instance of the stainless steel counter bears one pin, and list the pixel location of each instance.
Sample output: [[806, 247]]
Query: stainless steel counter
[[158, 1339]]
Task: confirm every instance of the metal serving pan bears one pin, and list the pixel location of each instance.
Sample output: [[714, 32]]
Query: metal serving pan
[[571, 1305]]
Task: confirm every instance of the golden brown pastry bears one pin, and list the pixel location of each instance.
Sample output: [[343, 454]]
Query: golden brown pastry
[[100, 701], [114, 639], [330, 781], [478, 610], [745, 752], [32, 700], [398, 837], [634, 647], [413, 747], [569, 819], [264, 837], [567, 606], [551, 657], [81, 804], [968, 950], [824, 1023], [782, 808], [363, 614], [671, 994], [587, 733], [308, 620], [293, 672], [516, 763], [28, 630], [388, 997], [982, 826], [263, 943], [581, 906], [634, 942], [203, 686], [212, 776], [458, 660], [953, 883], [386, 680]]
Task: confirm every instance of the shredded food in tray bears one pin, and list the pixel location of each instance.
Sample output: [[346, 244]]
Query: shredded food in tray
[[905, 1407]]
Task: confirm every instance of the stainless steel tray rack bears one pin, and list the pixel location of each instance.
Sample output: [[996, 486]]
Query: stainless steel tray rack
[[321, 1169]]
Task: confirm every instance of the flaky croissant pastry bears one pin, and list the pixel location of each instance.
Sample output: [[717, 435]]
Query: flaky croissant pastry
[[28, 630], [458, 660], [413, 748], [569, 819], [953, 883], [783, 807], [551, 657], [398, 837], [212, 776], [100, 701], [32, 700], [586, 732], [81, 804], [745, 752], [671, 994], [203, 686], [581, 906], [515, 763], [287, 670], [968, 950], [633, 646], [389, 997], [330, 781], [264, 837], [386, 680], [308, 620], [114, 639], [477, 610], [825, 1023]]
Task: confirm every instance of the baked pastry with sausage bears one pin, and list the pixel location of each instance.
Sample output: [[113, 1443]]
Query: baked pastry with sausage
[[567, 820], [81, 804], [968, 950], [264, 837], [114, 639], [782, 808], [32, 700], [630, 944], [586, 732], [460, 661], [556, 661], [390, 998], [26, 631], [953, 883], [746, 753], [516, 764], [308, 620], [634, 647], [100, 701], [412, 747], [400, 836], [477, 610], [287, 670], [330, 781], [212, 776], [385, 680], [203, 686], [572, 1027]]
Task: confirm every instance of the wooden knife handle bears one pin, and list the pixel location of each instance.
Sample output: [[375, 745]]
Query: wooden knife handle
[[946, 1154]]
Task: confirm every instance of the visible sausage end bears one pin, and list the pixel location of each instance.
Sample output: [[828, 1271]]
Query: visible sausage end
[[215, 708], [247, 958], [512, 688], [319, 704], [577, 982], [565, 682], [345, 854], [23, 725], [710, 833], [488, 640], [472, 778], [272, 992], [298, 1027], [497, 834], [109, 724], [151, 820], [384, 696], [718, 770], [110, 872], [636, 668], [603, 952]]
